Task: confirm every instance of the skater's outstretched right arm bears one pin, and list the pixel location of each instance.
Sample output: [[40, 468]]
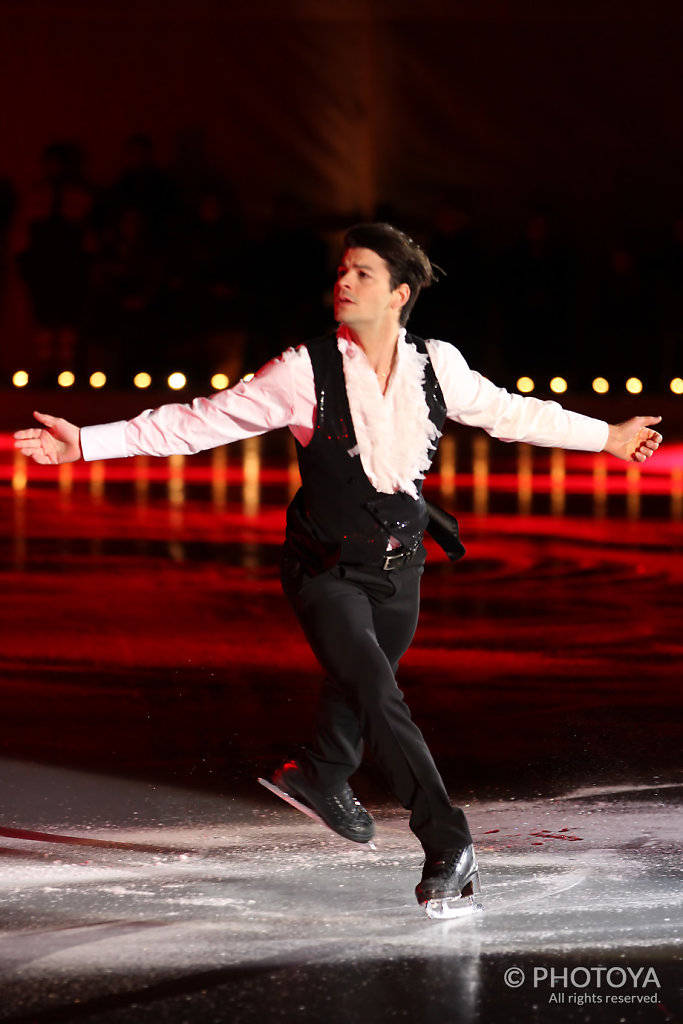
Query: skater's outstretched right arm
[[281, 394]]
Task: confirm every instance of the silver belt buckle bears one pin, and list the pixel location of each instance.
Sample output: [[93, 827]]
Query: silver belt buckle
[[394, 558]]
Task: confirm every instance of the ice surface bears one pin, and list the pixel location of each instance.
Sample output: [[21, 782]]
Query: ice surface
[[126, 902]]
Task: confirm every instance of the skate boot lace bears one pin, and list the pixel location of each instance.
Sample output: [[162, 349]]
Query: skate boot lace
[[345, 804]]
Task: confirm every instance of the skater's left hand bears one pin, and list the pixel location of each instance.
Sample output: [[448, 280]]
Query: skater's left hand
[[634, 440]]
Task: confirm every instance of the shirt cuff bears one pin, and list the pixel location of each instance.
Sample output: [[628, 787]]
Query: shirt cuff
[[588, 434], [104, 441]]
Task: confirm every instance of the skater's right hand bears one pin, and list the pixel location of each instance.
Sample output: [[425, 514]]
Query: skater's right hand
[[55, 442]]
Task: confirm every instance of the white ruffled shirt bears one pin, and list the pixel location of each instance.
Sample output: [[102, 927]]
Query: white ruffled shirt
[[393, 430]]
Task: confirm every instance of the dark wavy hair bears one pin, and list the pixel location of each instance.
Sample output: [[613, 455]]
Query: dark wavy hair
[[407, 262]]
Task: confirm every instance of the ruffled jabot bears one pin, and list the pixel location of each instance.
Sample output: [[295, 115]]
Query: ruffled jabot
[[393, 430]]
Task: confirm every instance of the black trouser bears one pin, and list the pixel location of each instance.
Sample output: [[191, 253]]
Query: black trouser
[[359, 621]]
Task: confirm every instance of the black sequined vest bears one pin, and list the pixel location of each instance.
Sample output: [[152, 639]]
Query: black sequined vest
[[337, 515]]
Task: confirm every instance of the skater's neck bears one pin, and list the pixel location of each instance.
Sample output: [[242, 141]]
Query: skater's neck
[[379, 343]]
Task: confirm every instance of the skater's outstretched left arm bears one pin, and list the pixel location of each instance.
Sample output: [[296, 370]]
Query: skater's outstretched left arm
[[474, 400]]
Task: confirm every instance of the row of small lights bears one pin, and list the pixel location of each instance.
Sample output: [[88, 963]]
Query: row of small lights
[[175, 381], [600, 385], [219, 381]]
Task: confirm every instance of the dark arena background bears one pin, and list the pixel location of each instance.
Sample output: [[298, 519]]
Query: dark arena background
[[175, 181]]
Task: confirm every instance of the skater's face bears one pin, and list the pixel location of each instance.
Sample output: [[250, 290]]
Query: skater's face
[[363, 295]]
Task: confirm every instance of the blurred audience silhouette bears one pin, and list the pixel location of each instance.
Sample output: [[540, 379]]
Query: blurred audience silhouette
[[146, 273], [54, 246]]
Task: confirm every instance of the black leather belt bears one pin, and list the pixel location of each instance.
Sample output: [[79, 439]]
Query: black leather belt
[[395, 559]]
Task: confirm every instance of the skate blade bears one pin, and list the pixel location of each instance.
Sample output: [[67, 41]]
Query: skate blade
[[453, 908], [305, 809]]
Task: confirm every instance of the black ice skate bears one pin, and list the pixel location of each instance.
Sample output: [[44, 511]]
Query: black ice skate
[[342, 812], [450, 884]]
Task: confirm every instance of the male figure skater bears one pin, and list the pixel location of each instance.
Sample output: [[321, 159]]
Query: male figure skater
[[366, 406]]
